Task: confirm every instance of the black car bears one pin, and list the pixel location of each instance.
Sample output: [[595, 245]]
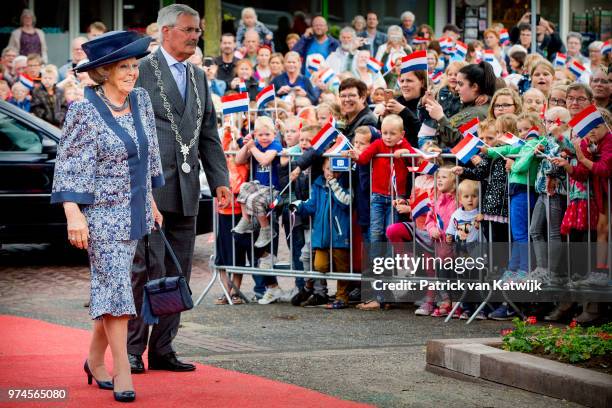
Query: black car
[[28, 147]]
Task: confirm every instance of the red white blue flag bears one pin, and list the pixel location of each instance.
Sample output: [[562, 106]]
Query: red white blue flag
[[460, 49], [470, 127], [533, 132], [374, 65], [512, 140], [467, 148], [235, 103], [420, 205], [560, 59], [504, 37], [26, 81], [417, 61], [264, 97], [324, 137], [606, 47], [586, 121], [576, 68], [425, 168], [419, 40], [436, 78]]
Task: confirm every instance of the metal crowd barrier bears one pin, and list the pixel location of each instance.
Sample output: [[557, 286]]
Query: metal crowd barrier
[[282, 269]]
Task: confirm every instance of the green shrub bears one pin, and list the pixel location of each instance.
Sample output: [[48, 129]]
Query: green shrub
[[571, 344]]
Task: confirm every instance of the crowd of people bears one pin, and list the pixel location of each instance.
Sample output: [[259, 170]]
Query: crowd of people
[[532, 167]]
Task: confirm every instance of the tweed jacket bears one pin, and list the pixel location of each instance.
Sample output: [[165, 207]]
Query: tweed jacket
[[181, 192], [108, 165]]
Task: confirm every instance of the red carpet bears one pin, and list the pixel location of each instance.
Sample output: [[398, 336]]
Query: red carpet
[[38, 354]]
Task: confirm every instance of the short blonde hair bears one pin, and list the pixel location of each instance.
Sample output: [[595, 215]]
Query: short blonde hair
[[506, 123], [558, 112], [468, 186], [50, 69], [531, 117], [17, 86], [264, 122], [394, 120]]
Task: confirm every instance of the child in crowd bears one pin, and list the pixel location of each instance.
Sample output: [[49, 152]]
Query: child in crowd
[[249, 21], [550, 186], [436, 223], [21, 96], [232, 250], [385, 187], [293, 226], [522, 177], [256, 196], [330, 234], [594, 159], [464, 229], [534, 101], [495, 191], [327, 112]]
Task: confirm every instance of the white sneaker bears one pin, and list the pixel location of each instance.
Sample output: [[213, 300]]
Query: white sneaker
[[593, 279], [540, 274], [287, 296], [267, 262], [243, 227], [265, 237], [271, 295]]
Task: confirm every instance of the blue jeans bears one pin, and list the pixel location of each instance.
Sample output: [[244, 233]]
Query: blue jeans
[[381, 212], [519, 216]]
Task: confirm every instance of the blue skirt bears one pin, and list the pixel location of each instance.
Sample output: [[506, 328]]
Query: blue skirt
[[111, 284]]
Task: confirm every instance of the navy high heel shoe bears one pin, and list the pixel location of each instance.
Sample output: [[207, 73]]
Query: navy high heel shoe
[[105, 385], [124, 396]]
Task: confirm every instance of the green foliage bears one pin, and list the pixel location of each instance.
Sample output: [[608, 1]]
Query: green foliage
[[334, 31], [571, 344]]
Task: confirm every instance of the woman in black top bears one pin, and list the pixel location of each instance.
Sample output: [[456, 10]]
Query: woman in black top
[[412, 86]]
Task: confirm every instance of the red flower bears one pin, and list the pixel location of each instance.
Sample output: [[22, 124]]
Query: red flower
[[505, 332], [532, 320], [573, 324]]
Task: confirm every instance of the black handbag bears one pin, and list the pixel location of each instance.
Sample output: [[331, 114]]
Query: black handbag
[[164, 296]]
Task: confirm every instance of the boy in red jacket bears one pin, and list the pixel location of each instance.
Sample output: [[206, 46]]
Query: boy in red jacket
[[385, 187]]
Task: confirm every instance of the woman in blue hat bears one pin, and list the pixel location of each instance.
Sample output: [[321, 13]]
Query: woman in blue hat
[[108, 161]]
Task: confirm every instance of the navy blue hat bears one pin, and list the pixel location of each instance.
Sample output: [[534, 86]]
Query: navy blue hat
[[112, 47]]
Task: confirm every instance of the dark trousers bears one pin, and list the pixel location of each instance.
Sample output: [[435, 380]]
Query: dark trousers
[[181, 234]]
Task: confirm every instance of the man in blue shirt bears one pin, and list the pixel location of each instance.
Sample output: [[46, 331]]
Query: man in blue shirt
[[316, 41]]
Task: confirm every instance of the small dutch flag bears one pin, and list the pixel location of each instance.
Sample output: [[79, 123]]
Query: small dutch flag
[[417, 61], [560, 59], [586, 121], [470, 127], [504, 37], [576, 68], [420, 205], [606, 47], [512, 140], [460, 49], [467, 148], [436, 78], [374, 65], [533, 132]]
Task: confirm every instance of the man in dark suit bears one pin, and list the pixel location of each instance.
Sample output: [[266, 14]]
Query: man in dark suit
[[186, 126]]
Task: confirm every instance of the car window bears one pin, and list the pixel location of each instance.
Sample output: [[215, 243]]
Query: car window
[[17, 137]]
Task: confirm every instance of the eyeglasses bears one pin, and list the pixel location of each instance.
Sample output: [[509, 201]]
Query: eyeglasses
[[190, 30], [557, 101], [554, 122], [602, 81], [503, 106], [580, 99]]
